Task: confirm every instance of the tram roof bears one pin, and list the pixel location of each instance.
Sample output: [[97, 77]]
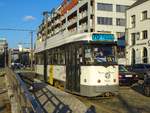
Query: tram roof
[[62, 40]]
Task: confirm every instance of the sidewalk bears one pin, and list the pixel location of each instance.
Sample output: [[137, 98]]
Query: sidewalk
[[4, 100], [54, 100]]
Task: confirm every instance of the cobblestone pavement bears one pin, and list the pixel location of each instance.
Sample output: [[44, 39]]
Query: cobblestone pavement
[[54, 100], [129, 100], [4, 101]]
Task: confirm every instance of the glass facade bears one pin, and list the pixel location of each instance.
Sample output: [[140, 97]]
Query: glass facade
[[104, 20], [104, 7], [121, 8], [120, 22]]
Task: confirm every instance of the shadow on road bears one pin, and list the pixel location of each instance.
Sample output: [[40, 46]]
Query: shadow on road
[[138, 88], [40, 90], [126, 105]]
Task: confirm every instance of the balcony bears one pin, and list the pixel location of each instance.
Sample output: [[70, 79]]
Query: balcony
[[72, 21], [83, 14], [83, 27]]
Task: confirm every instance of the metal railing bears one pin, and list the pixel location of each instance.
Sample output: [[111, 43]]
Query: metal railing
[[21, 99]]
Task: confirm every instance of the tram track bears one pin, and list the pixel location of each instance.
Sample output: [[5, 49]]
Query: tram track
[[125, 102], [98, 106], [100, 103], [87, 101]]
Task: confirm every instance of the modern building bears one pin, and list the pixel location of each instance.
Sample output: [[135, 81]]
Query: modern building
[[79, 16], [3, 52], [3, 45], [21, 55], [85, 16], [138, 32]]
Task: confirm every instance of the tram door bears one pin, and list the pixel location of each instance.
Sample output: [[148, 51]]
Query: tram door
[[72, 69], [45, 66]]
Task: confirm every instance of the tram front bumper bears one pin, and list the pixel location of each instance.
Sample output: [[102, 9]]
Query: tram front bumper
[[93, 91]]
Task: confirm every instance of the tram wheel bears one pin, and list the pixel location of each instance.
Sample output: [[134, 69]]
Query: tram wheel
[[56, 84], [61, 87]]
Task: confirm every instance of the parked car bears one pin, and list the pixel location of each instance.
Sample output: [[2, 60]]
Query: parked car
[[126, 77], [17, 65], [140, 69]]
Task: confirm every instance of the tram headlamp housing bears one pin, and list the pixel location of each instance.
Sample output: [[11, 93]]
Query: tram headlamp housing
[[98, 81]]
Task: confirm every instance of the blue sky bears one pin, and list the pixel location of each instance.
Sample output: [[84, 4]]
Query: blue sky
[[22, 14]]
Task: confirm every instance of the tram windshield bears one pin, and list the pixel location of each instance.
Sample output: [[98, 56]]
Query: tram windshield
[[99, 54]]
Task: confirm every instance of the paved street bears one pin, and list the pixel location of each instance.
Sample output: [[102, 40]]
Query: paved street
[[128, 101]]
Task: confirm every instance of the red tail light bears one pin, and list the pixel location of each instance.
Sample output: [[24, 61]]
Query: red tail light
[[120, 76]]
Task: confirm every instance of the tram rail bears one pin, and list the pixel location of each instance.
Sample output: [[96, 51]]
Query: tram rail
[[28, 95]]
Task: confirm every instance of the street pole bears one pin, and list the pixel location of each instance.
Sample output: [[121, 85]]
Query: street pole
[[5, 55], [31, 33], [45, 14]]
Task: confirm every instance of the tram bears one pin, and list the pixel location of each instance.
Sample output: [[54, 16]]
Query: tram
[[84, 64]]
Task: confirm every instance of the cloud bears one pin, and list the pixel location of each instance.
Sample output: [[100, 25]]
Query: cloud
[[29, 18]]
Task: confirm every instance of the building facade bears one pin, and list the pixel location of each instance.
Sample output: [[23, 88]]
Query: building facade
[[138, 32], [80, 16], [3, 45], [3, 52]]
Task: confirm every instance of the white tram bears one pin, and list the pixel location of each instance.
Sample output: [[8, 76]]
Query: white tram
[[84, 64]]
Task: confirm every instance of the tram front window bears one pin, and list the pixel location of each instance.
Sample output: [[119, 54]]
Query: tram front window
[[99, 54]]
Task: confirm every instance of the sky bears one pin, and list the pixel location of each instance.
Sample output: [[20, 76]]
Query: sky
[[22, 14]]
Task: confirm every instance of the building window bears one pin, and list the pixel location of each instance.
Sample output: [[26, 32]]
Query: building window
[[137, 36], [144, 15], [144, 34], [120, 22], [133, 21], [104, 7], [120, 34], [133, 57], [104, 20], [144, 55], [133, 39], [121, 8]]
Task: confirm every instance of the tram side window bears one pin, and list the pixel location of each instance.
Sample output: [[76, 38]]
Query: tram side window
[[80, 56], [58, 56], [50, 57], [36, 59], [55, 57], [88, 56], [40, 59], [62, 57]]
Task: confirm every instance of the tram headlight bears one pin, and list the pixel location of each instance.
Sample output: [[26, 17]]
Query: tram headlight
[[98, 81], [114, 80]]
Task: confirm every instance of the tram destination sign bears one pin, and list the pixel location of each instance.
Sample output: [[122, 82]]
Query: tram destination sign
[[103, 37]]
